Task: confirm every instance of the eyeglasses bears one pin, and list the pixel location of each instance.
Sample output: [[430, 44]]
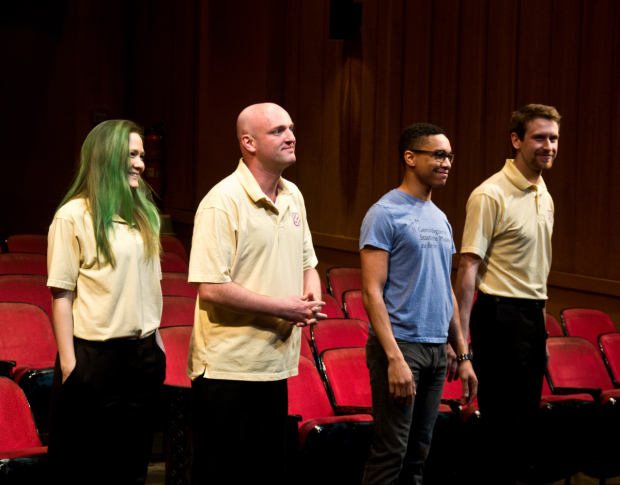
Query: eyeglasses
[[440, 155]]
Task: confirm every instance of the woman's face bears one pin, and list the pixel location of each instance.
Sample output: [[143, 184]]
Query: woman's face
[[136, 160]]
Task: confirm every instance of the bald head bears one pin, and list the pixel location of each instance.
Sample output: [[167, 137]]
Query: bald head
[[252, 118], [265, 132]]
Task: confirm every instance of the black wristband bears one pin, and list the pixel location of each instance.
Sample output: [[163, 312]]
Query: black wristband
[[463, 357]]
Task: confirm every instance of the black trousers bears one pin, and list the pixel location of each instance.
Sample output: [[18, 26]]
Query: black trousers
[[239, 430], [508, 340], [102, 418]]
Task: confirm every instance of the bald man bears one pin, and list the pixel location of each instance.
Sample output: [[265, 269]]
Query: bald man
[[253, 262]]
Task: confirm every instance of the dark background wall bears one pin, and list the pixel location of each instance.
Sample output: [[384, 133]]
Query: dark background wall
[[194, 65]]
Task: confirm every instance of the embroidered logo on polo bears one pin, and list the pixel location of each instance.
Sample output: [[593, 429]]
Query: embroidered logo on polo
[[550, 214], [296, 218]]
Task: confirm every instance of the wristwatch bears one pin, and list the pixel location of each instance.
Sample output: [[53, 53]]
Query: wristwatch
[[460, 358]]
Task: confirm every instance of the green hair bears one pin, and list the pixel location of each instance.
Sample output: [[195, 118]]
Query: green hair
[[102, 180]]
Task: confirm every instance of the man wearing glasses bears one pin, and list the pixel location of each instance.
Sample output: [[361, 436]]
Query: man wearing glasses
[[506, 253], [406, 252]]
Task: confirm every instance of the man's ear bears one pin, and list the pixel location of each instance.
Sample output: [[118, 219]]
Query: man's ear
[[516, 143], [409, 157], [248, 143]]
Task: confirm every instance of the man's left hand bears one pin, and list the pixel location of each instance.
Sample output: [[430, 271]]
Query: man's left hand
[[469, 380], [315, 311]]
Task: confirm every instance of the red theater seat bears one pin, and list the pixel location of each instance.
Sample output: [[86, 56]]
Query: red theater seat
[[332, 309], [175, 284], [342, 332], [586, 323], [343, 279], [354, 305], [173, 245], [609, 344], [26, 338], [177, 311], [21, 450], [306, 350], [27, 243], [176, 343], [173, 263], [27, 289], [553, 327], [331, 449], [23, 263], [348, 380]]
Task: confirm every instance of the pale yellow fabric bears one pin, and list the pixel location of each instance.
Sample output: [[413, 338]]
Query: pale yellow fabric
[[109, 303], [240, 236], [509, 225]]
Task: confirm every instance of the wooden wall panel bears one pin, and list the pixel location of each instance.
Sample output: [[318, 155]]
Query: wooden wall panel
[[562, 180], [613, 234], [594, 142], [469, 139]]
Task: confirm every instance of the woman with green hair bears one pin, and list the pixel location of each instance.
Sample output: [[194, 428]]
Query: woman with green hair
[[104, 272]]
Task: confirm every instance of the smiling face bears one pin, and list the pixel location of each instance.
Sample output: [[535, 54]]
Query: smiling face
[[136, 160], [427, 171], [539, 147]]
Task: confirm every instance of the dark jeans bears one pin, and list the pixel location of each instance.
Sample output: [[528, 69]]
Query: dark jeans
[[102, 418], [239, 430], [403, 433], [508, 342]]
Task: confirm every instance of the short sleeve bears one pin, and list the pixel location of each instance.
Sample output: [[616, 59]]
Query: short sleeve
[[63, 255], [377, 229], [310, 259], [213, 246], [482, 214]]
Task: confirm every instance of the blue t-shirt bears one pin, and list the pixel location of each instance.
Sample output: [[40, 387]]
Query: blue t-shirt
[[417, 293]]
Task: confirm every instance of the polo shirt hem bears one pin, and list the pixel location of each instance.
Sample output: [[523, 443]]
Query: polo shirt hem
[[231, 376], [60, 284]]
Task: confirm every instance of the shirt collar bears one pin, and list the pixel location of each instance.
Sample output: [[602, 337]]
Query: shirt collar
[[249, 183], [519, 180]]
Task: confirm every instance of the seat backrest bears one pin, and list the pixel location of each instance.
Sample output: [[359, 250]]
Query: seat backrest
[[172, 262], [23, 263], [26, 334], [323, 288], [27, 289], [16, 421], [343, 279], [174, 245], [177, 311], [609, 343], [175, 284], [348, 380], [586, 323], [553, 327], [27, 243], [354, 305], [340, 332], [575, 362], [176, 343], [306, 350], [332, 309], [306, 393]]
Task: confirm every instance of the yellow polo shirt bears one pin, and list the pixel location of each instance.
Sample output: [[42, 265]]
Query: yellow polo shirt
[[241, 236], [109, 303], [509, 225]]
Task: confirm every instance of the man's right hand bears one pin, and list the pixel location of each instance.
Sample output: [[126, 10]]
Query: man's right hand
[[300, 310], [67, 369], [402, 384]]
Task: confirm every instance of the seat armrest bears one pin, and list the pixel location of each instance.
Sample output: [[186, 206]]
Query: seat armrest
[[345, 410], [594, 392], [455, 405], [6, 368]]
